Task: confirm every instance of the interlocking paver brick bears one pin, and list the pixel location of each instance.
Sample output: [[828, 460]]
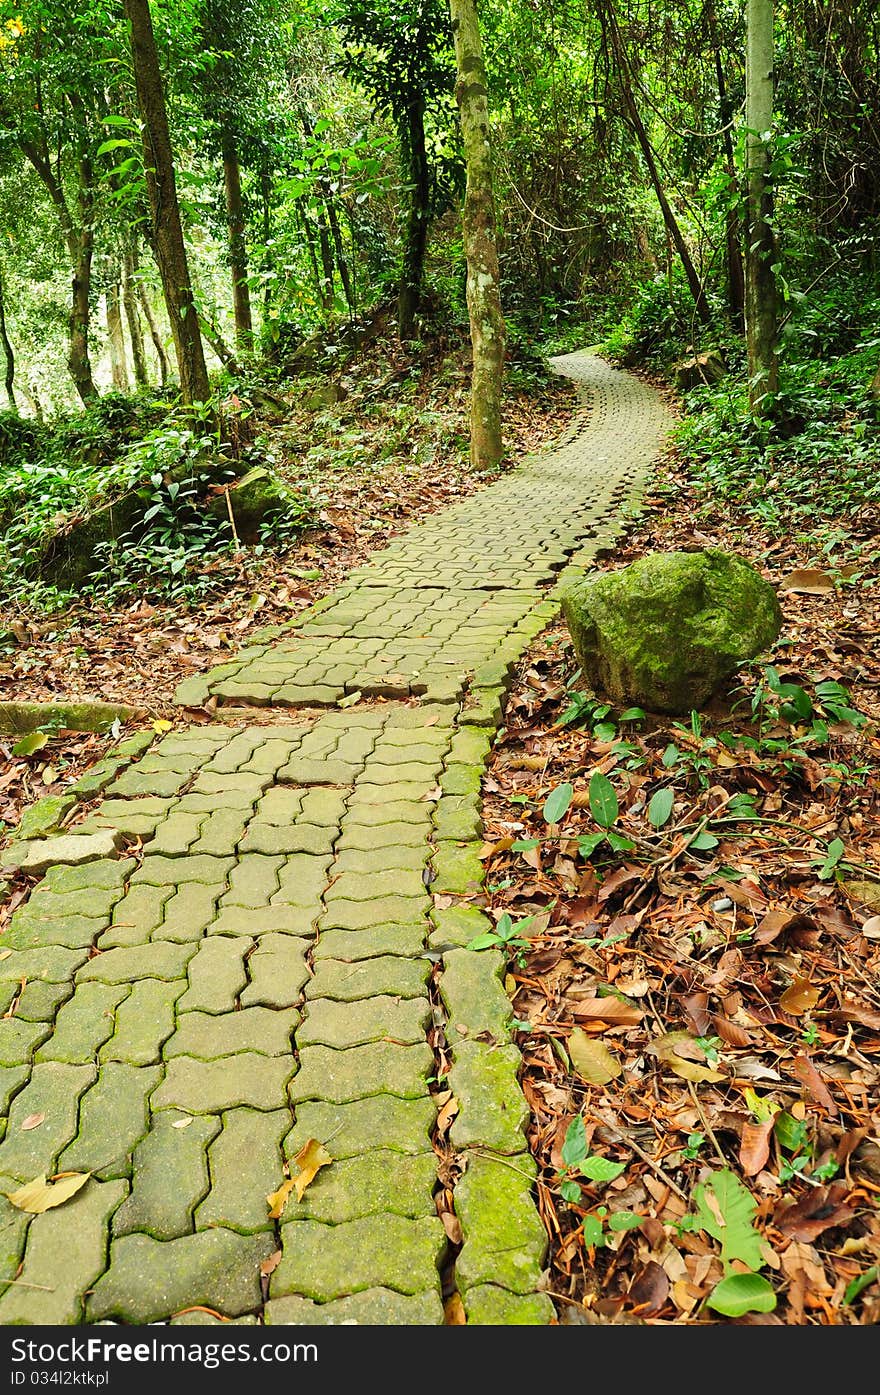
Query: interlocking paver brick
[[492, 1109], [369, 1185], [301, 881], [253, 881], [52, 964], [136, 917], [490, 1306], [325, 1262], [189, 911], [505, 1242], [360, 1071], [377, 1307], [347, 982], [372, 836], [94, 877], [53, 1090], [458, 869], [248, 787], [473, 994], [83, 1024], [363, 915], [350, 945], [27, 930], [19, 1039], [370, 1019], [148, 1279], [159, 959], [254, 1029], [208, 1087], [216, 974], [457, 925], [65, 1253], [144, 1021], [175, 834], [169, 1176], [277, 970], [171, 871], [263, 920], [112, 1118], [249, 1146], [221, 832], [39, 1002], [373, 886], [457, 816], [380, 859]]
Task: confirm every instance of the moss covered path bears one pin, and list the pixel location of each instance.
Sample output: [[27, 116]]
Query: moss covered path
[[283, 960]]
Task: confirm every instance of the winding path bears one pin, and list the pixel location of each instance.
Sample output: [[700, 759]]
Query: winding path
[[285, 961]]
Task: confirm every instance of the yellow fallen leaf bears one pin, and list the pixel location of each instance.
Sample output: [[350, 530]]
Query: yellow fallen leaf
[[799, 998], [278, 1200], [591, 1058], [311, 1157], [41, 1195], [161, 725], [670, 1048]]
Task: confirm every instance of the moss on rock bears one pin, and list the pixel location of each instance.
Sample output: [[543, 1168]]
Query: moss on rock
[[665, 632]]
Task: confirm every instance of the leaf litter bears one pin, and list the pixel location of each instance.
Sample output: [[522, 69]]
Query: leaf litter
[[700, 991]]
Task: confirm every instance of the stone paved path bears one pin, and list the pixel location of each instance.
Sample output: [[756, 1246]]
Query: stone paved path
[[181, 1022]]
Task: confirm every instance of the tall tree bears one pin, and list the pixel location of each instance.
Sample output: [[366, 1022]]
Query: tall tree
[[9, 355], [167, 232], [480, 242], [761, 295]]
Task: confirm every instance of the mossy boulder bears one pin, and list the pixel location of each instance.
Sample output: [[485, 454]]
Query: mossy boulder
[[257, 496], [665, 632], [19, 718]]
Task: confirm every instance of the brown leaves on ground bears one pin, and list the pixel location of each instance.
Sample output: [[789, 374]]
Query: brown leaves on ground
[[311, 1157], [734, 988], [43, 1194]]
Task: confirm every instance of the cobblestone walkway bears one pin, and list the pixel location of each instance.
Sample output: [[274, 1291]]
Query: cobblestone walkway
[[281, 959]]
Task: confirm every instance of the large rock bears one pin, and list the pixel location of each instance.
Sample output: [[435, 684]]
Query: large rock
[[255, 498], [665, 632]]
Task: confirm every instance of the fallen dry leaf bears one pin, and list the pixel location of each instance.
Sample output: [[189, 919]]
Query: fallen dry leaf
[[666, 1049], [33, 1121], [42, 1195], [271, 1264], [754, 1148], [808, 581], [311, 1157], [591, 1058], [609, 1009], [799, 998]]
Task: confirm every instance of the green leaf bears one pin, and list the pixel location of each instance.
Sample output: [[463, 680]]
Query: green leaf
[[589, 843], [725, 1209], [605, 731], [574, 1149], [660, 807], [742, 1293], [671, 755], [603, 801], [557, 802], [34, 741], [791, 1132], [854, 1288], [570, 1191], [632, 714], [834, 854], [624, 1220], [703, 842], [487, 941], [525, 844], [108, 145], [618, 842], [601, 1169], [592, 1231]]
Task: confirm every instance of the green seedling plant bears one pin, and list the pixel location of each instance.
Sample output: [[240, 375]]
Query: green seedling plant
[[580, 1162], [507, 936], [725, 1209]]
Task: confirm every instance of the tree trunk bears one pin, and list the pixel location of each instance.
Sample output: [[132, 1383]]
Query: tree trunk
[[761, 298], [155, 332], [241, 296], [875, 383], [9, 356], [219, 345], [168, 242], [410, 292], [671, 222], [135, 333], [480, 245], [78, 361], [116, 336], [736, 276]]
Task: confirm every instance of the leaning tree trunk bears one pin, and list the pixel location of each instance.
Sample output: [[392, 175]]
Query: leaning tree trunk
[[418, 177], [155, 332], [81, 247], [241, 296], [9, 355], [761, 297], [135, 333], [116, 336], [480, 245], [167, 231]]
